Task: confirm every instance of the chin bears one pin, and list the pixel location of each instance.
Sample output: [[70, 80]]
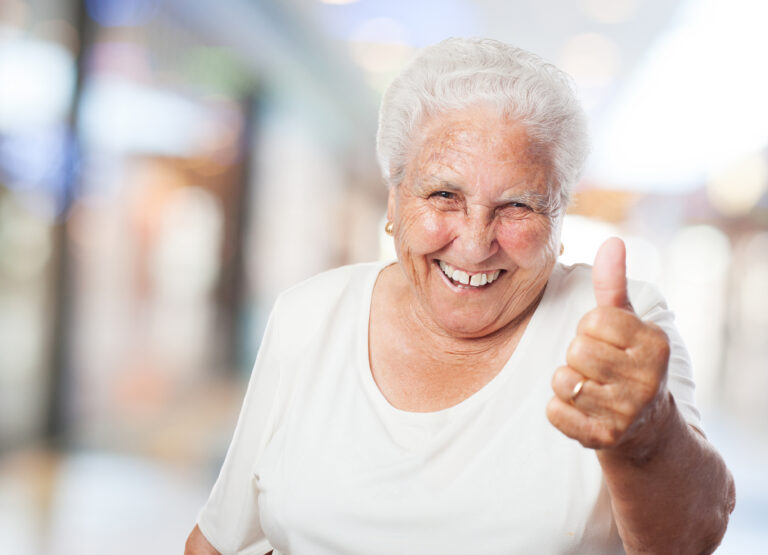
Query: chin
[[467, 327]]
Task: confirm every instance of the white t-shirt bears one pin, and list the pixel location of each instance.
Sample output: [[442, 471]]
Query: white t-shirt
[[321, 463]]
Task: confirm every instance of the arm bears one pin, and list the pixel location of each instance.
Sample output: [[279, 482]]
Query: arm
[[197, 544], [670, 491], [677, 497], [231, 517]]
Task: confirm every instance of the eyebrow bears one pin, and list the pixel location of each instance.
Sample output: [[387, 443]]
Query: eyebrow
[[433, 181], [537, 201]]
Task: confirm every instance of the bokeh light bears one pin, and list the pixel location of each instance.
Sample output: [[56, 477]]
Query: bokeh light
[[38, 82], [735, 190]]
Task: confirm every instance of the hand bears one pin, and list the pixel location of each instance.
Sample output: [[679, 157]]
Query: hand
[[622, 362]]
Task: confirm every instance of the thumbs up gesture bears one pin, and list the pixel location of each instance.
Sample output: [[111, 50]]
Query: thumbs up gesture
[[612, 390]]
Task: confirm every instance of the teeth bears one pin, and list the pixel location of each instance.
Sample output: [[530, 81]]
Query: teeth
[[475, 280], [461, 277]]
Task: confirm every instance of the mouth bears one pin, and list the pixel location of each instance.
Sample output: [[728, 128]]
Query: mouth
[[463, 279]]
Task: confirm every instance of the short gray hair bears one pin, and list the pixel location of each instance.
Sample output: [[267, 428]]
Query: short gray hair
[[459, 73]]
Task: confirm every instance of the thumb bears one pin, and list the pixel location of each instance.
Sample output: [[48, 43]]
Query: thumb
[[609, 274]]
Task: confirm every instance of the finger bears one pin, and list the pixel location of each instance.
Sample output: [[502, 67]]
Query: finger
[[592, 398], [588, 431], [611, 325], [565, 381], [609, 274], [595, 359]]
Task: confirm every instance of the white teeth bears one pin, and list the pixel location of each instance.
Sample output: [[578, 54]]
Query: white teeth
[[475, 280], [461, 277]]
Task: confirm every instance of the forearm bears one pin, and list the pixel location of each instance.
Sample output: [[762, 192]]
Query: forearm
[[676, 498]]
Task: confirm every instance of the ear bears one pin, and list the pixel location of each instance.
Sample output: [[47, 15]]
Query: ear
[[392, 203]]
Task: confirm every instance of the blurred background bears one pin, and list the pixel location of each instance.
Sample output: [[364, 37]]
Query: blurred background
[[168, 166]]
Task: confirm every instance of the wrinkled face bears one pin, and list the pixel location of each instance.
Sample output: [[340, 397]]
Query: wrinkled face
[[472, 226]]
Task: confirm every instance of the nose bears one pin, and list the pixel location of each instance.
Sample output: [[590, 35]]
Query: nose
[[476, 239]]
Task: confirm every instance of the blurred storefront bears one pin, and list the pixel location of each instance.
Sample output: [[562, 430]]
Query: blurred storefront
[[159, 186]]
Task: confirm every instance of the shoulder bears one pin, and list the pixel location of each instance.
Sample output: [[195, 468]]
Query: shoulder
[[309, 304], [326, 287]]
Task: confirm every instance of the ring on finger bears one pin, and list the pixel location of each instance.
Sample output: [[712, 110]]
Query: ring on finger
[[577, 389]]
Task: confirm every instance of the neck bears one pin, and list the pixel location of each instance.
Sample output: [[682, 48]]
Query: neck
[[454, 348]]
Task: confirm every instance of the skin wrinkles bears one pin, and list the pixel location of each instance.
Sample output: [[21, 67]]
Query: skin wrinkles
[[452, 154], [495, 220], [475, 196]]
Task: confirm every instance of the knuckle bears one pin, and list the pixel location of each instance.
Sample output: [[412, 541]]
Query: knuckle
[[658, 341], [597, 318], [558, 379], [613, 434], [625, 408], [590, 444], [551, 412], [594, 322], [575, 349], [596, 436], [606, 372]]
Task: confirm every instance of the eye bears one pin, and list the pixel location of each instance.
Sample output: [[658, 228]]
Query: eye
[[517, 206], [443, 195], [445, 200], [515, 209]]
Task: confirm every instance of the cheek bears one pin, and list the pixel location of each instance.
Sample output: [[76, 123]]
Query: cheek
[[435, 225], [530, 241], [425, 230]]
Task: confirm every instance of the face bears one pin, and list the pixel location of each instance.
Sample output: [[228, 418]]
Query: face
[[472, 226]]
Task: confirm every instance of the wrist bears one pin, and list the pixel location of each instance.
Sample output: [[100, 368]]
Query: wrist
[[652, 433]]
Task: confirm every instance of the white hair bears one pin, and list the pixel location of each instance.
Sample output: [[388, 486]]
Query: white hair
[[459, 73]]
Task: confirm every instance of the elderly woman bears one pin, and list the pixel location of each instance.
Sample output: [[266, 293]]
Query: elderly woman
[[408, 407]]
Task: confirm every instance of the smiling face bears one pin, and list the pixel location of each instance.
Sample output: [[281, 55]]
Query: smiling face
[[473, 230]]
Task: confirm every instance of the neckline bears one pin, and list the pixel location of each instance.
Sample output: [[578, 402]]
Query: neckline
[[363, 346]]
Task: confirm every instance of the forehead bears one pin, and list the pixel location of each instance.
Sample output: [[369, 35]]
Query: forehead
[[476, 136]]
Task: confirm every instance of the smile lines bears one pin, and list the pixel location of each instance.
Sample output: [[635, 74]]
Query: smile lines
[[474, 280]]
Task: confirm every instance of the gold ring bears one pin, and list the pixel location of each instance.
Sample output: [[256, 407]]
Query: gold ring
[[577, 389]]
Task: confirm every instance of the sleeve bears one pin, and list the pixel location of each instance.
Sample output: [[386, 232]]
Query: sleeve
[[230, 517], [652, 307]]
